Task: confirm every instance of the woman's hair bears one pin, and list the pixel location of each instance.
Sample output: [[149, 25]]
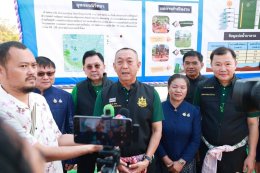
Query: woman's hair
[[12, 153], [179, 76]]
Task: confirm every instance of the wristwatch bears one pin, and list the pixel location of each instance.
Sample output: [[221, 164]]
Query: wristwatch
[[147, 158], [181, 161]]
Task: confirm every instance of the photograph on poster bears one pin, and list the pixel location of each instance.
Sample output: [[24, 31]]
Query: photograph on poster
[[160, 31]]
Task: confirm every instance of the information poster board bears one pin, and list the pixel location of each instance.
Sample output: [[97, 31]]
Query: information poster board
[[233, 24], [160, 31]]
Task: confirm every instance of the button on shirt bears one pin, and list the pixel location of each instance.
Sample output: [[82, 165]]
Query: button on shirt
[[18, 115], [126, 92], [225, 91]]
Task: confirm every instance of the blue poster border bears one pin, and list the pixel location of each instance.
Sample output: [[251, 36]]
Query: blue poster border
[[27, 18]]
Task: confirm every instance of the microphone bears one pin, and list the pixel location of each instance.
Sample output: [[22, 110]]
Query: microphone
[[123, 113], [109, 110]]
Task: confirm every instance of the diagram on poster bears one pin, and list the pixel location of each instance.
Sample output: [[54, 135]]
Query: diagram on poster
[[74, 46], [66, 29], [171, 31], [237, 27], [240, 14]]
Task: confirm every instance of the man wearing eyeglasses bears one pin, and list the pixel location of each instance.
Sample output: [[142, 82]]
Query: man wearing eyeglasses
[[84, 96], [59, 101]]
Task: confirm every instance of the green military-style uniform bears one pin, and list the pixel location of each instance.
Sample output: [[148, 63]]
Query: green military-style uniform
[[84, 96], [192, 88], [145, 108], [222, 124]]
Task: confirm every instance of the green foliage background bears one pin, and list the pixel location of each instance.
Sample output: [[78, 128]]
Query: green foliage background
[[8, 33]]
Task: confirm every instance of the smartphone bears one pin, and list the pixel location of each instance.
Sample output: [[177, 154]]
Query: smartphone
[[102, 131]]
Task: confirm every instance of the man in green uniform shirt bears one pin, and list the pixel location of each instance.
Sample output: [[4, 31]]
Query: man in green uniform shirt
[[84, 96], [226, 131], [145, 109]]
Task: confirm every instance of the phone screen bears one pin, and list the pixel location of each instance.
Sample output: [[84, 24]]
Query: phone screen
[[97, 130]]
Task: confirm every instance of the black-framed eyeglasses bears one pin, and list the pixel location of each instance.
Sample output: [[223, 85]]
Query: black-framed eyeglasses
[[41, 74], [90, 67]]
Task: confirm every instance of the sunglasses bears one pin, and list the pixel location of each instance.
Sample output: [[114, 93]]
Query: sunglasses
[[41, 74], [89, 67]]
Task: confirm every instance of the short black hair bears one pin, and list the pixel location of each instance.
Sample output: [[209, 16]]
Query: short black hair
[[43, 61], [222, 51], [4, 50], [91, 53], [193, 53], [177, 76]]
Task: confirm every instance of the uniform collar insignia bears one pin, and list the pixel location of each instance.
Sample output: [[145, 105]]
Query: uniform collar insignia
[[185, 114], [54, 100], [57, 101], [142, 102]]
